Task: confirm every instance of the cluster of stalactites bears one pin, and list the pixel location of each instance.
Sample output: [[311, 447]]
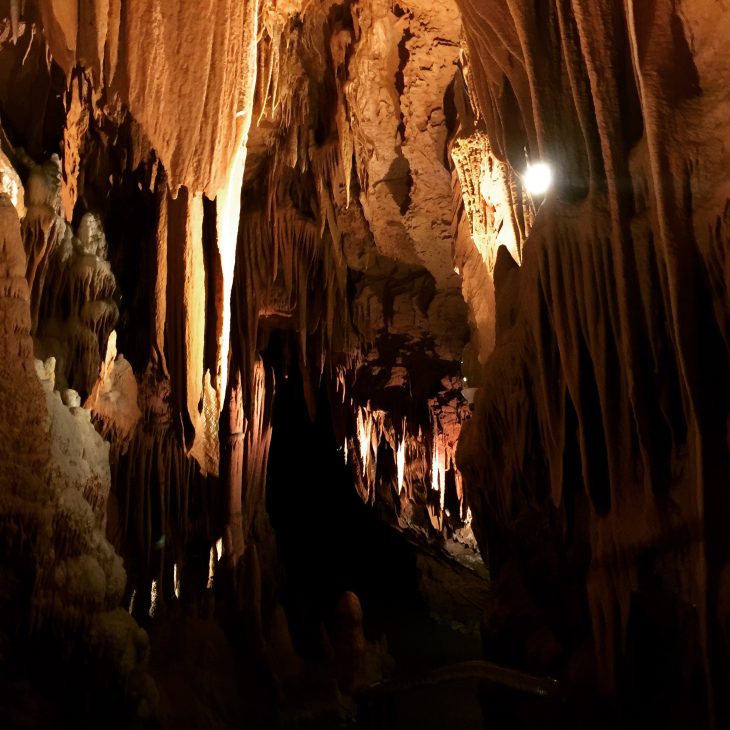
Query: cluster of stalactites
[[371, 428], [246, 455], [287, 263], [605, 375], [449, 411], [421, 459], [165, 568], [196, 148], [492, 198], [295, 271], [70, 279]]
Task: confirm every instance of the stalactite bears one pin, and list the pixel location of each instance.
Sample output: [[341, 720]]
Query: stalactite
[[200, 151], [184, 311], [401, 462], [232, 469], [42, 228], [257, 439], [228, 199], [158, 314], [420, 464], [485, 187], [113, 399], [76, 128], [161, 498]]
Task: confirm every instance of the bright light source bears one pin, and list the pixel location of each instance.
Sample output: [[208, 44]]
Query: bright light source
[[538, 178]]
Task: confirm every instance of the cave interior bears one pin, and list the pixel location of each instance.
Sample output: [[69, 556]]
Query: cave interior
[[365, 364]]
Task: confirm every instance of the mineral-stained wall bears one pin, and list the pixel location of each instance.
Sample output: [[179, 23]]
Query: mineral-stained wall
[[187, 186], [190, 180], [596, 465]]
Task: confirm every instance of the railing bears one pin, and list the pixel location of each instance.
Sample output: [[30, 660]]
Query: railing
[[376, 702]]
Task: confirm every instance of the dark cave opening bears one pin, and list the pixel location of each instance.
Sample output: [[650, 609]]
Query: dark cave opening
[[328, 540]]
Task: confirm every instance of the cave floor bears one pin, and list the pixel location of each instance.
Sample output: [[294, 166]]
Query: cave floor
[[204, 682]]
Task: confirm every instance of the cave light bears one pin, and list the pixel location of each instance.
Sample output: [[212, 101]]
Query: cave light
[[176, 580], [538, 178], [219, 547]]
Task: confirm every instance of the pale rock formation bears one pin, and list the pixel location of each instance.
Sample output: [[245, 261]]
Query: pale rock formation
[[53, 505], [113, 399], [11, 185]]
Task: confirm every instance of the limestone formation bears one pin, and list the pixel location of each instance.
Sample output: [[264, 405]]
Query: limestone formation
[[282, 317]]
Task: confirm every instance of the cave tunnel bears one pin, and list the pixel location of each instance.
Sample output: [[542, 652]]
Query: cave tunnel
[[364, 364]]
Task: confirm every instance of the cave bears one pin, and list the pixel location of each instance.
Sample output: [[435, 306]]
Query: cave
[[365, 364]]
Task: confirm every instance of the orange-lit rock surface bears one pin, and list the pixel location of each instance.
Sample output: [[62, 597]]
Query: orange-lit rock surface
[[600, 434], [158, 57], [209, 209]]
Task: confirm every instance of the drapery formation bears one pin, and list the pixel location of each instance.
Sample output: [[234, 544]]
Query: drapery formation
[[603, 416]]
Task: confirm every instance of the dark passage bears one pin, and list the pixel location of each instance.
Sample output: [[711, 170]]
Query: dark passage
[[328, 541]]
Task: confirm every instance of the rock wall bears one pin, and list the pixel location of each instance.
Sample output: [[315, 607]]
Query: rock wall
[[596, 462], [183, 203], [60, 574]]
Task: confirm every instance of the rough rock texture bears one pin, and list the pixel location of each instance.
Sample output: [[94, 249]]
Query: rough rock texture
[[599, 448], [53, 510], [180, 57], [215, 197]]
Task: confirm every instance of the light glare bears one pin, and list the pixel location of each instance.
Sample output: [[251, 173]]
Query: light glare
[[538, 178]]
